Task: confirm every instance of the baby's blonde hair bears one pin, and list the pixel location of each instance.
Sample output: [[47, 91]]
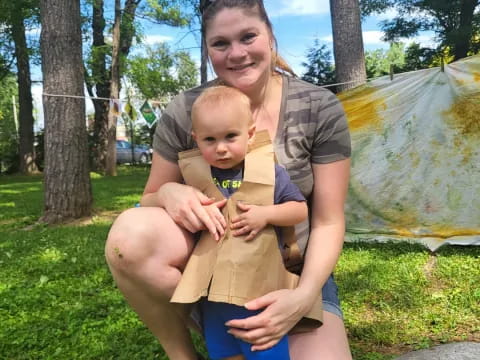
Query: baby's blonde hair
[[220, 95]]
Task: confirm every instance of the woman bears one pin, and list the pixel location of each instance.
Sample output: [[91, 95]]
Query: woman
[[148, 247]]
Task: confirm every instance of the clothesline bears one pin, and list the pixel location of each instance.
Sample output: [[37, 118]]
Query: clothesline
[[159, 102], [91, 97]]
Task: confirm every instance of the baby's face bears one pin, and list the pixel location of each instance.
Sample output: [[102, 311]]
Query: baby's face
[[222, 135]]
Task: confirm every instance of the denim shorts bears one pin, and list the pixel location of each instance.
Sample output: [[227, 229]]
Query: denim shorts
[[330, 301]]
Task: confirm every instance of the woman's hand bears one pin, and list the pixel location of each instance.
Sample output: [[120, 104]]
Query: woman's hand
[[191, 209], [283, 309], [217, 217], [251, 221]]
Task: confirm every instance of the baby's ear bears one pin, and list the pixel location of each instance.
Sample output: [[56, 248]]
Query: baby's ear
[[251, 133], [194, 136]]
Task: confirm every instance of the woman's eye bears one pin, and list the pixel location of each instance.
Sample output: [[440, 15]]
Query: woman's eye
[[219, 44], [249, 37]]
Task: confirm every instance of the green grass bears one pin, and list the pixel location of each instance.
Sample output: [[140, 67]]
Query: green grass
[[58, 300]]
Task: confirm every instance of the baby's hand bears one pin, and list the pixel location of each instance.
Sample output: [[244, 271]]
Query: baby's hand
[[251, 221]]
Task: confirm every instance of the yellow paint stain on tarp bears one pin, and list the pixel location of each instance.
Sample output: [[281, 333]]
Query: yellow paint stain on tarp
[[445, 231], [437, 231], [362, 107], [464, 116], [476, 76]]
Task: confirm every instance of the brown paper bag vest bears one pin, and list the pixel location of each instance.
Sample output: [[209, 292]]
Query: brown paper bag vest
[[233, 270]]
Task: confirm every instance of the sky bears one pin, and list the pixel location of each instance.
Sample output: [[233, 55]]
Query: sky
[[296, 24]]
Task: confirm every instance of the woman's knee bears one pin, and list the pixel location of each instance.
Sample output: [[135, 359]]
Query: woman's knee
[[140, 234]]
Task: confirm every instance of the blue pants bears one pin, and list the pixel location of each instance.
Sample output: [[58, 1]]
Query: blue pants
[[221, 344]]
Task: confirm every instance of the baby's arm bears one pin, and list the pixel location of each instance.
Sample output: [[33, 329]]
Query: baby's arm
[[255, 217]]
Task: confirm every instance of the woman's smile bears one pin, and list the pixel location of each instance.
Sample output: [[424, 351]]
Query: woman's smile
[[240, 68]]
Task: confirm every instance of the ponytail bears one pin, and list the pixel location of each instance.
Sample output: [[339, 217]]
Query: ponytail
[[279, 64]]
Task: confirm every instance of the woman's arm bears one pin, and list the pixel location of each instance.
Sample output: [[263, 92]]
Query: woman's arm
[[284, 308], [327, 225], [184, 204]]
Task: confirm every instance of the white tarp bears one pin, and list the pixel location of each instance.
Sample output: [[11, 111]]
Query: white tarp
[[416, 156]]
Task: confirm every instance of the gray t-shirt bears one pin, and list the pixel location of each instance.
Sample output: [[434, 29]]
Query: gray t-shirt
[[312, 128]]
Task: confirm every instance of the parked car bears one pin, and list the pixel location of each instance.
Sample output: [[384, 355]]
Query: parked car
[[142, 153]]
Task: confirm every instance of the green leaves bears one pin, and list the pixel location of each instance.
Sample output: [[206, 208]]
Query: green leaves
[[319, 66], [161, 72], [455, 23]]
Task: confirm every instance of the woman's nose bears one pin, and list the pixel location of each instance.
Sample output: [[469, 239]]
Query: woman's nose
[[237, 51]]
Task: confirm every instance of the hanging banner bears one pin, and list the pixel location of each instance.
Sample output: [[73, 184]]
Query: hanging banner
[[116, 107], [130, 111], [148, 113]]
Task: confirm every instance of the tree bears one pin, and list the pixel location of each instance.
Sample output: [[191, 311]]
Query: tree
[[66, 174], [320, 70], [414, 57], [161, 73], [379, 62], [13, 17], [8, 131], [417, 57], [455, 22], [102, 72], [98, 85], [111, 158], [347, 43]]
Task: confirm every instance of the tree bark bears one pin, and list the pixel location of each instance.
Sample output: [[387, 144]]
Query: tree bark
[[465, 29], [203, 62], [348, 43], [26, 137], [67, 188], [111, 169], [101, 78]]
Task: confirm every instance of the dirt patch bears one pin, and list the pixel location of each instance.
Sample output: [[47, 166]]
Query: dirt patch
[[101, 216]]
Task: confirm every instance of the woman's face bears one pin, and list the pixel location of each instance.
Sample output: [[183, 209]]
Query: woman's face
[[239, 47]]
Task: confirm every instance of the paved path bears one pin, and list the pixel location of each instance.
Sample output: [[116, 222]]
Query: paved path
[[453, 351]]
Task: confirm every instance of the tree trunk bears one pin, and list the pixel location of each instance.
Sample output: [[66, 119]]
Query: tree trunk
[[203, 63], [348, 43], [114, 93], [101, 78], [66, 176], [462, 41], [26, 137]]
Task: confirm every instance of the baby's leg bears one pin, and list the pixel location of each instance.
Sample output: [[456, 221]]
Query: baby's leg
[[236, 357]]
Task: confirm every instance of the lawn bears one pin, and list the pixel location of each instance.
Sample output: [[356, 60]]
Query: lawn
[[58, 300]]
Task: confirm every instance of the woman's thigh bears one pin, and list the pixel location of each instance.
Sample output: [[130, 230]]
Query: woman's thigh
[[328, 342], [147, 245]]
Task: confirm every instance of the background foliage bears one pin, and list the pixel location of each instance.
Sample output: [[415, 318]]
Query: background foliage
[[8, 132], [58, 299]]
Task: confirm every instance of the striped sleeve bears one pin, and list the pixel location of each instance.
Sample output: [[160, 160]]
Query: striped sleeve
[[332, 138], [170, 136]]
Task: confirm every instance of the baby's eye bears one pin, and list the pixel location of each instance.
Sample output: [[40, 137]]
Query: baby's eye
[[209, 139], [231, 136]]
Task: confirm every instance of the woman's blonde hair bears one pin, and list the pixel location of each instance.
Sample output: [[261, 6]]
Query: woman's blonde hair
[[210, 8]]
